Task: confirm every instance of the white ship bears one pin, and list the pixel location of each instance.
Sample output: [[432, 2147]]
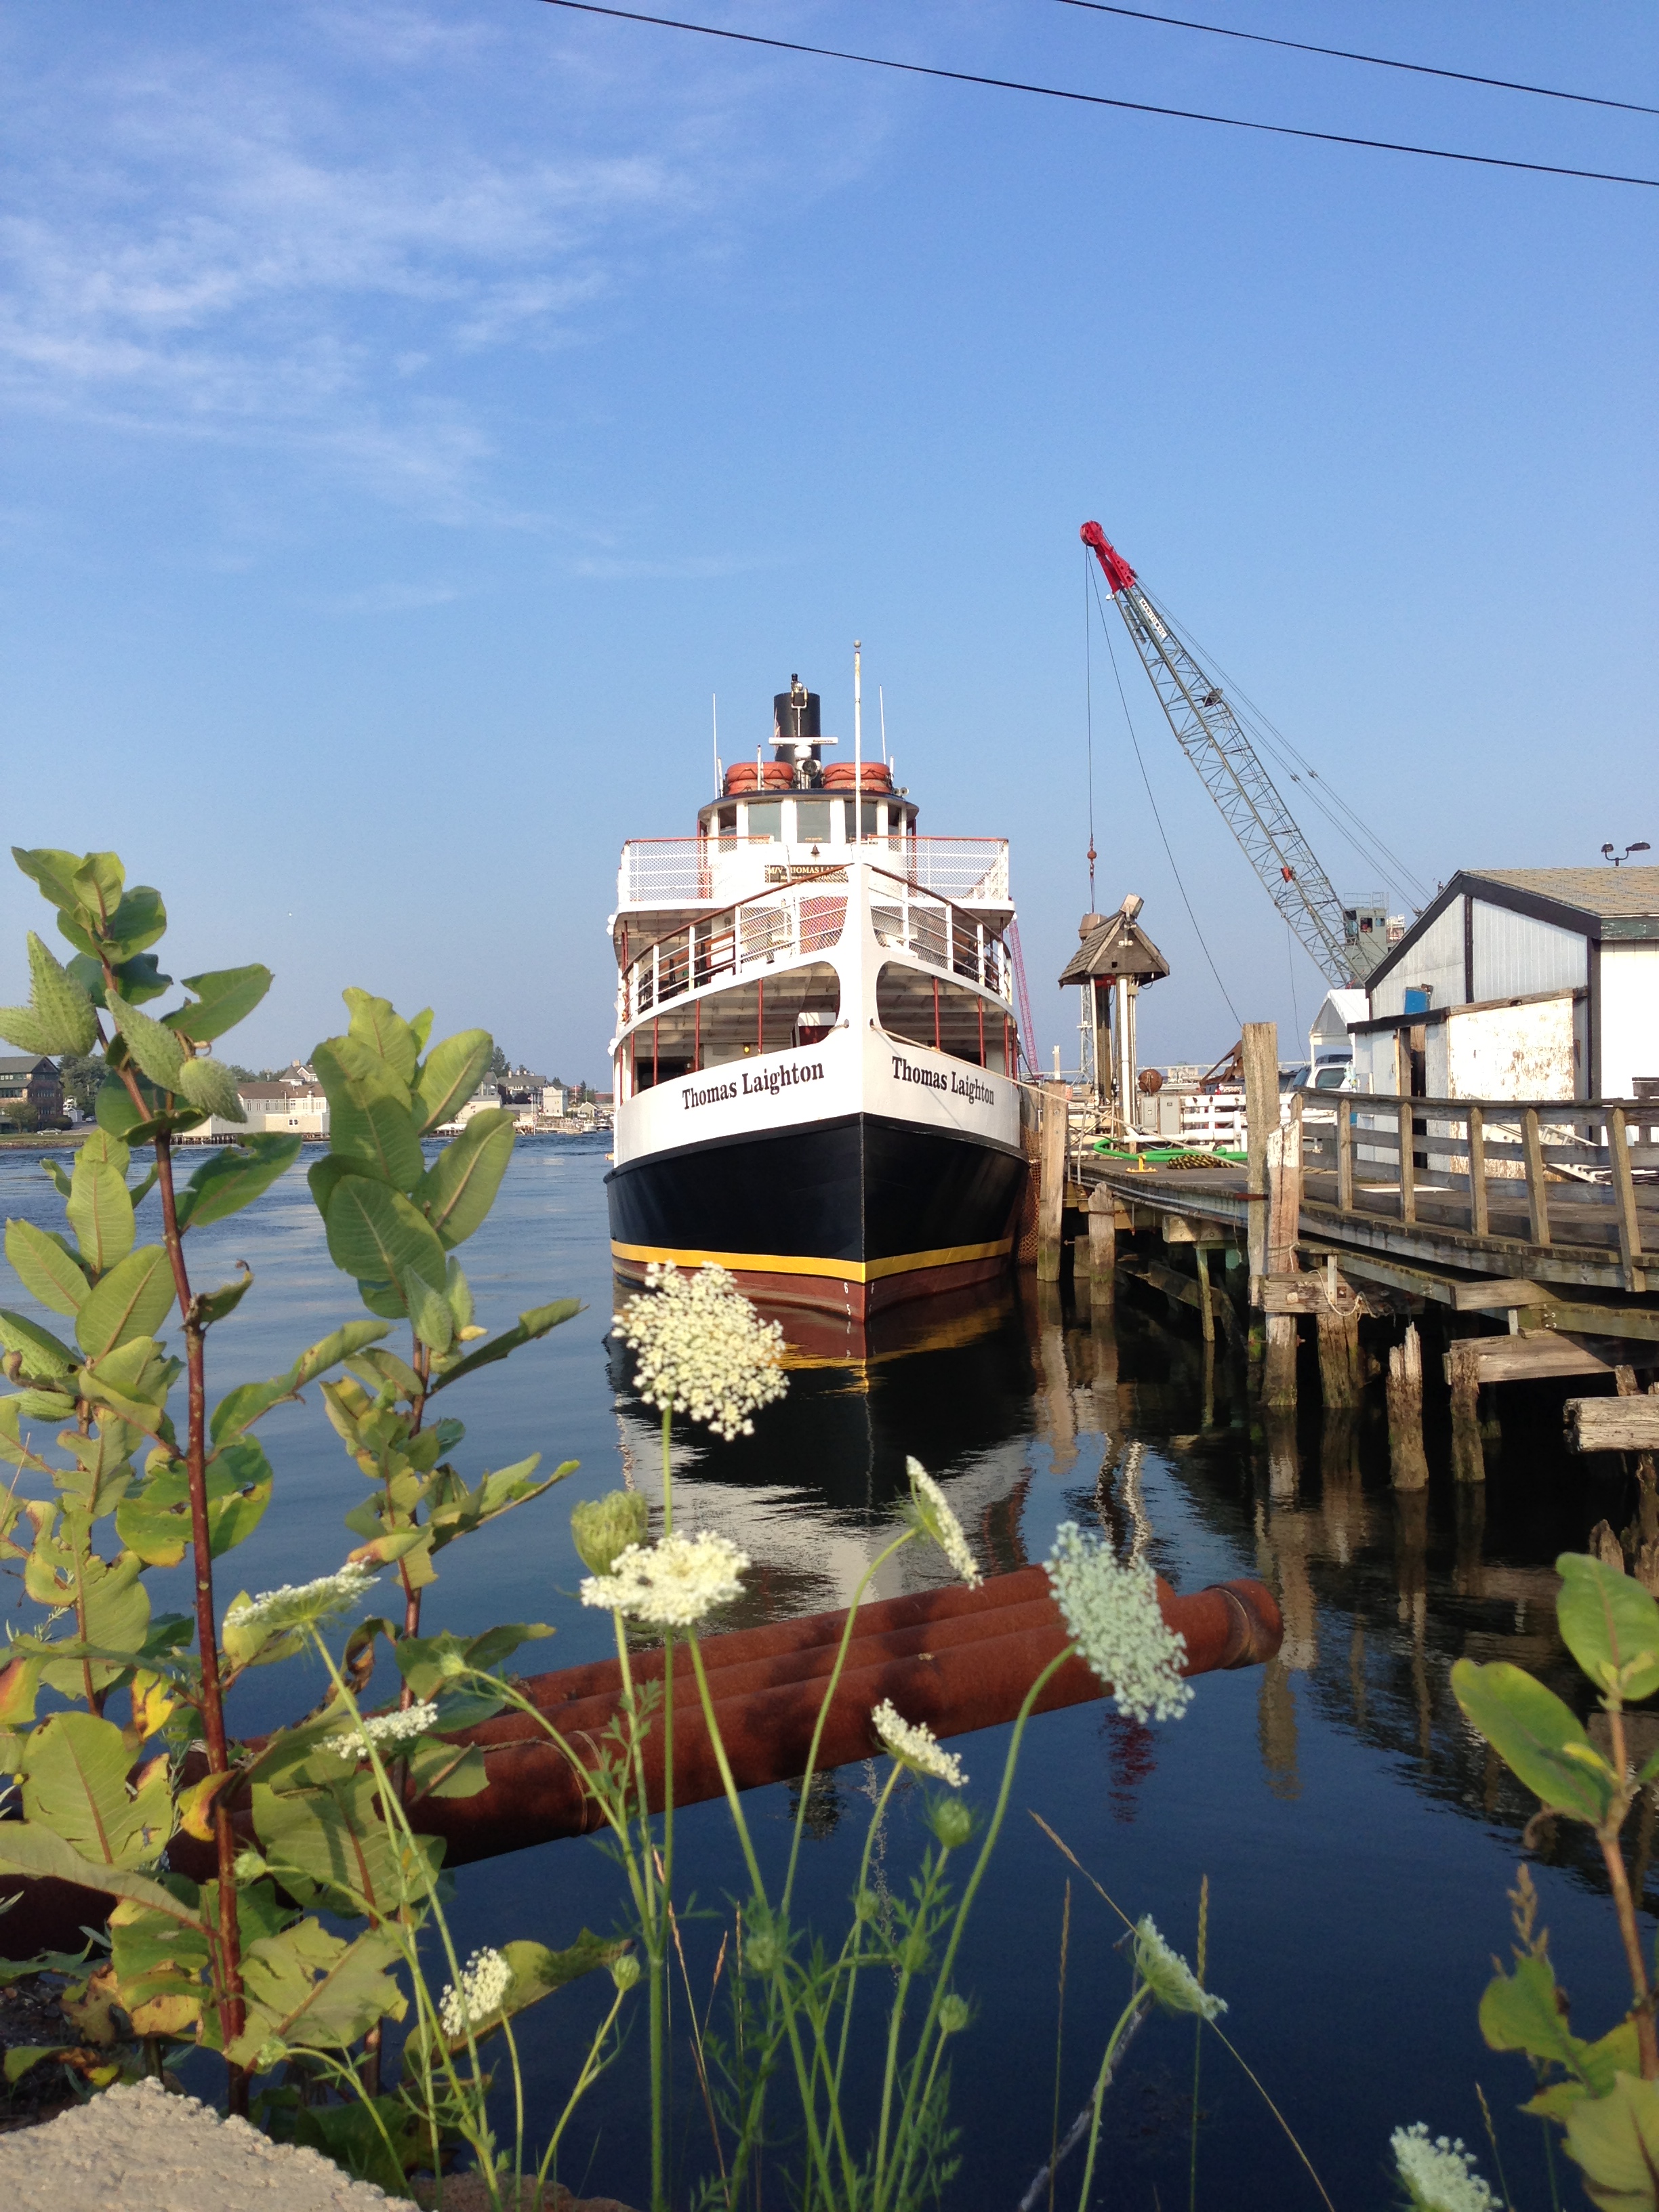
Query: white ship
[[816, 1048]]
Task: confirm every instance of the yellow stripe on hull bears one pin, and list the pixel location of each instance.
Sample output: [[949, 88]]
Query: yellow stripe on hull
[[843, 1271]]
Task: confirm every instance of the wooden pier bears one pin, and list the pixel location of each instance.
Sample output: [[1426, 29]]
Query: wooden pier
[[1532, 1224]]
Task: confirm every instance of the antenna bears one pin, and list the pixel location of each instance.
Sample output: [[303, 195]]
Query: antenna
[[881, 701], [858, 740], [714, 717]]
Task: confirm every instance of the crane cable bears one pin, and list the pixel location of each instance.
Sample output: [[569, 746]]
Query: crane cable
[[1129, 724]]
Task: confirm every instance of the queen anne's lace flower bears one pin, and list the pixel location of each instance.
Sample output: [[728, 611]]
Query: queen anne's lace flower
[[1169, 1977], [703, 1349], [485, 1980], [671, 1583], [384, 1729], [297, 1605], [1113, 1612], [1439, 2175], [931, 1512], [914, 1744]]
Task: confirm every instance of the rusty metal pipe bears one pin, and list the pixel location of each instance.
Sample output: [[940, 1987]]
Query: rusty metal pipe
[[958, 1660]]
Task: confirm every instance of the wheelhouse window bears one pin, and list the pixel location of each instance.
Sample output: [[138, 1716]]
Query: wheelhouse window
[[765, 817], [786, 1013], [932, 1010]]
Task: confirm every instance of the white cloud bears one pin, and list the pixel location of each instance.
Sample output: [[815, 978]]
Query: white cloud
[[299, 236]]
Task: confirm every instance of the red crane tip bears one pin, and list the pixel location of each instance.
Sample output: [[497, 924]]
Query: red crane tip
[[1119, 574]]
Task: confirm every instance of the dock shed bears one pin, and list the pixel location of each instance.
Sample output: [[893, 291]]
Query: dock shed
[[1520, 983]]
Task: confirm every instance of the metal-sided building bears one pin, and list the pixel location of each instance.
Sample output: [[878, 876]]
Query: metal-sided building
[[1520, 983]]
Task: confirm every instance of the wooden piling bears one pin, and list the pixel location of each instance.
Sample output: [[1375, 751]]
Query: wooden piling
[[1340, 1375], [1102, 1247], [1206, 1316], [1051, 1181], [1468, 1458], [1408, 1465], [1259, 1053], [1284, 1212]]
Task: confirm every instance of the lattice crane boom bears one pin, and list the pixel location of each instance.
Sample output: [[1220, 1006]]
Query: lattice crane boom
[[1232, 772]]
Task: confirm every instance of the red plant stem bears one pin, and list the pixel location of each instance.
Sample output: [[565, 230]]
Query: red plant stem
[[233, 2011], [1647, 2043]]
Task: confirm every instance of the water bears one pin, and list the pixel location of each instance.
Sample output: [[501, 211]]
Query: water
[[1358, 1839]]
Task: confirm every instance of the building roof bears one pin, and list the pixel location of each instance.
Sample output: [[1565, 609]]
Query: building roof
[[26, 1063], [1120, 946], [1610, 905], [1607, 892]]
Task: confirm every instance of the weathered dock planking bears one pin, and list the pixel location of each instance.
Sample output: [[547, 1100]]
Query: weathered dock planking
[[1539, 1217]]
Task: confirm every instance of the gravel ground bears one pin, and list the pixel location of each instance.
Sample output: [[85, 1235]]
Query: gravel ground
[[142, 2149]]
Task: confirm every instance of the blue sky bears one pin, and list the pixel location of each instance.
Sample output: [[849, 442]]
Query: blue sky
[[415, 412]]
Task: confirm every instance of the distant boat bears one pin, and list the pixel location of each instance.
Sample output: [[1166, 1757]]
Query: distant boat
[[816, 1053]]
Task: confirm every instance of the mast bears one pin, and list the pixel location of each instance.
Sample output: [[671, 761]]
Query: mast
[[1233, 772], [858, 742]]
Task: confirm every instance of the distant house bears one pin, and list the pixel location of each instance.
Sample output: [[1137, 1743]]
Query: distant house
[[26, 1081], [282, 1108], [1520, 983], [484, 1099]]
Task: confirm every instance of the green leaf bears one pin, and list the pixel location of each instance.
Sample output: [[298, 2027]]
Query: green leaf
[[329, 1833], [77, 1785], [54, 871], [234, 1178], [376, 1235], [47, 1268], [116, 1112], [21, 2058], [428, 1662], [1615, 2139], [376, 1023], [45, 1356], [376, 1135], [537, 1322], [242, 1407], [1520, 2012], [20, 1027], [375, 2139], [1540, 1738], [139, 980], [309, 1990], [458, 1190], [133, 1299], [209, 1085], [214, 1305], [154, 1520], [455, 1510], [99, 1206], [117, 1608], [45, 1854], [155, 1051], [137, 920], [450, 1077], [133, 1379], [448, 1770], [1611, 1627], [224, 997], [428, 1310], [161, 1963]]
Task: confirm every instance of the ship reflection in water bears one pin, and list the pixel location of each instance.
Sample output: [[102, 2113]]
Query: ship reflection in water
[[1028, 1407]]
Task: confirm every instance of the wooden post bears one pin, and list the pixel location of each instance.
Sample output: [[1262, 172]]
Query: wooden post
[[1469, 1461], [1283, 1226], [1344, 1153], [1051, 1182], [1408, 1465], [1623, 1192], [1102, 1247], [1340, 1374], [1407, 1163], [1279, 1374], [1206, 1314], [1537, 1190], [1260, 1057], [1478, 1215]]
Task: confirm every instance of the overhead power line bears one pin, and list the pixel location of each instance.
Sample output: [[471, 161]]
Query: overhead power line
[[1095, 99], [1375, 61]]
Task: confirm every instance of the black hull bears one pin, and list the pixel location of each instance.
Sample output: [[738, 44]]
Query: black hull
[[848, 1215]]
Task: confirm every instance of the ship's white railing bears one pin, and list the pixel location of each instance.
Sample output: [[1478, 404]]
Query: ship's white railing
[[800, 920], [910, 920], [772, 927], [681, 871]]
